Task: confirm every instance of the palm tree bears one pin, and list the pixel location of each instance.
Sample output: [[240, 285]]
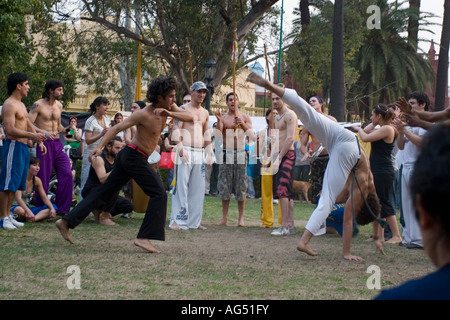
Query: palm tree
[[337, 87], [442, 72], [388, 63], [413, 22]]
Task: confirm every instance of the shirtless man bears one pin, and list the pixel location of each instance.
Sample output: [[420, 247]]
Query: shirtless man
[[15, 153], [45, 114], [234, 125], [132, 163], [283, 164], [193, 140], [346, 159], [319, 165]]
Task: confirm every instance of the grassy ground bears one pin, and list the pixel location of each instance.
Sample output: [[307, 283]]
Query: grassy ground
[[218, 263]]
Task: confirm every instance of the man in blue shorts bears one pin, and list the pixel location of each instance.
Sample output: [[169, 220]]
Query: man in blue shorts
[[15, 154]]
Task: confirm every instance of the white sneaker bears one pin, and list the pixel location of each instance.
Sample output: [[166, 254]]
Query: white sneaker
[[6, 224], [281, 231], [16, 223]]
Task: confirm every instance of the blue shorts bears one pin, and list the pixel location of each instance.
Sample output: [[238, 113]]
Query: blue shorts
[[34, 210], [15, 163], [336, 219]]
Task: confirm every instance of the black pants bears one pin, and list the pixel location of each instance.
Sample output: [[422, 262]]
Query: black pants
[[129, 164], [114, 205]]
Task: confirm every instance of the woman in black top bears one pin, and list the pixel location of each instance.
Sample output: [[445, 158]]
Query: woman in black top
[[381, 136]]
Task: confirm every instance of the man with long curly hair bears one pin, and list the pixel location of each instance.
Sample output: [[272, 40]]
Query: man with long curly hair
[[132, 163]]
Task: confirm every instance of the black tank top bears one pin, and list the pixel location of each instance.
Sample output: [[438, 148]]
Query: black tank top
[[381, 157], [92, 180]]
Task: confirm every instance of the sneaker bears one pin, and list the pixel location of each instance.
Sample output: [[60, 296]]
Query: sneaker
[[6, 224], [127, 215], [281, 231], [16, 223], [291, 230]]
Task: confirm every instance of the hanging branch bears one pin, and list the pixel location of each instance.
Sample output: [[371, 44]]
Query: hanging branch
[[272, 122], [190, 61], [235, 51]]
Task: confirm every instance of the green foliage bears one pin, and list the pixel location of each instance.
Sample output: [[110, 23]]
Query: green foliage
[[380, 64], [31, 43], [388, 63], [309, 60]]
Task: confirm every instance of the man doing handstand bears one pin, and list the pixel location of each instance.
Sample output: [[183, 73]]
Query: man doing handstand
[[346, 160]]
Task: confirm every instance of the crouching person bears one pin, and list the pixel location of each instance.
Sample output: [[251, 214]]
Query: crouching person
[[98, 173]]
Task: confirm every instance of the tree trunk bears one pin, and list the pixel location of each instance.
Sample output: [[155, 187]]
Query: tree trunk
[[413, 22], [305, 17], [337, 88], [442, 71]]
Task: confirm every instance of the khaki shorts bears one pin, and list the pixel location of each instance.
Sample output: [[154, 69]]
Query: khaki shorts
[[232, 178]]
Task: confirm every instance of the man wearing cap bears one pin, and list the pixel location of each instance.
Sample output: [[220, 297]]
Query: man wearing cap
[[193, 141]]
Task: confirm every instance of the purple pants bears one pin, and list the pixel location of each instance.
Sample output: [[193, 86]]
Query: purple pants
[[57, 159]]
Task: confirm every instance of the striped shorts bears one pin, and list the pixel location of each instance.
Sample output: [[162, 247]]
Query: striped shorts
[[15, 163]]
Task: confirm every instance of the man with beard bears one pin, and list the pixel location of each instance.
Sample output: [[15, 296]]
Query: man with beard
[[45, 114], [98, 173]]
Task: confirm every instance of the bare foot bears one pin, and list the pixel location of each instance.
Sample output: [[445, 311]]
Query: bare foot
[[304, 247], [394, 240], [63, 227], [223, 222], [353, 258], [96, 215], [200, 227], [146, 245], [175, 226], [108, 222]]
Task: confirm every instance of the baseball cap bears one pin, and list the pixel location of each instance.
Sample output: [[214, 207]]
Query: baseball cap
[[199, 85]]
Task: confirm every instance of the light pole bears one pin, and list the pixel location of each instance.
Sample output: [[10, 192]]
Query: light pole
[[210, 73]]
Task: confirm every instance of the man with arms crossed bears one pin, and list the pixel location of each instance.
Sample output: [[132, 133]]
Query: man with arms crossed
[[15, 153], [132, 163], [193, 139], [45, 114]]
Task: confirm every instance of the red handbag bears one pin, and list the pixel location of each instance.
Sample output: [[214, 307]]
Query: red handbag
[[167, 160]]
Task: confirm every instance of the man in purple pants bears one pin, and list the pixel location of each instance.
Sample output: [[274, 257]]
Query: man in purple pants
[[45, 114]]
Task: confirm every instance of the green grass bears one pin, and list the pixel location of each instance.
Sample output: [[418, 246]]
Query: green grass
[[218, 263]]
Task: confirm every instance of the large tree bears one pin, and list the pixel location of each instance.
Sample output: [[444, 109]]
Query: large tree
[[31, 44], [167, 25], [442, 72]]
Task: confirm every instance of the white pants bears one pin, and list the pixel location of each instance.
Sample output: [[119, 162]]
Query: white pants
[[411, 232], [189, 192], [344, 153]]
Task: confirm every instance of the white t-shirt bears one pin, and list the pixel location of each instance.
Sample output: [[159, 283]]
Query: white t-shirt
[[411, 151], [93, 126]]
